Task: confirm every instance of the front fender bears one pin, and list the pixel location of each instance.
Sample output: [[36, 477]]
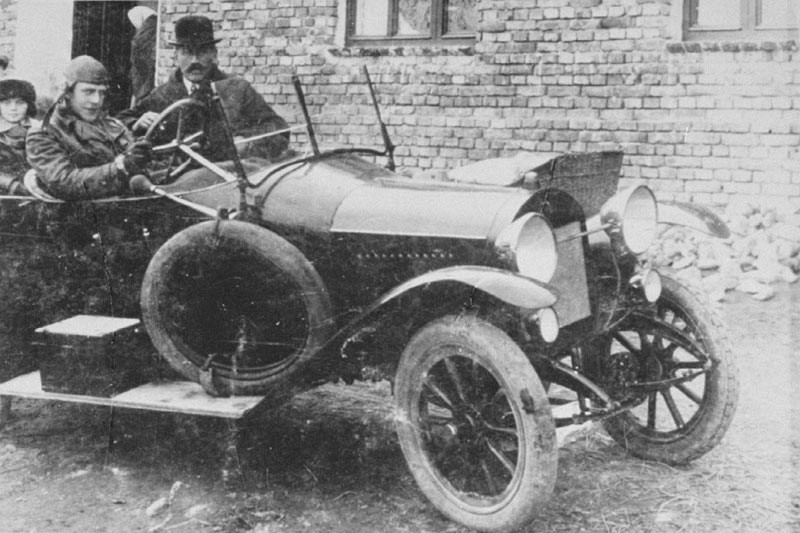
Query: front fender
[[509, 287], [693, 216]]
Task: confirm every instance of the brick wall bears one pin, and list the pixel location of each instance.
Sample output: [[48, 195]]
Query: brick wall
[[697, 121], [8, 27]]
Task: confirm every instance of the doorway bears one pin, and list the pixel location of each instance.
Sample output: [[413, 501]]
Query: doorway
[[103, 31]]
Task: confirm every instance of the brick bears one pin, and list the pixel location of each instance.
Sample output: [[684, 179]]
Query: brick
[[780, 140], [783, 190], [781, 177], [666, 183], [702, 186], [741, 176]]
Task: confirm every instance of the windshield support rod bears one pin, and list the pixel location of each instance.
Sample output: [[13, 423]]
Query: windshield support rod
[[216, 104], [245, 140], [387, 142], [302, 99], [216, 169]]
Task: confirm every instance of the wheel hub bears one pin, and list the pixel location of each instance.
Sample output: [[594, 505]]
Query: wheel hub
[[621, 370]]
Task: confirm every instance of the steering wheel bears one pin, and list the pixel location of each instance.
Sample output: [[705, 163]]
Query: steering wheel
[[178, 158]]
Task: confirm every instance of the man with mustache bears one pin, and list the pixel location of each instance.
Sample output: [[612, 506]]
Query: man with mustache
[[247, 112], [79, 152]]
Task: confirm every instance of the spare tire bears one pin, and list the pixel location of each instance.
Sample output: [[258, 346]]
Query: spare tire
[[238, 299]]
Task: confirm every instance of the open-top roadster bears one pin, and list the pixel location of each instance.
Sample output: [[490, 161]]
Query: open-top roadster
[[475, 297]]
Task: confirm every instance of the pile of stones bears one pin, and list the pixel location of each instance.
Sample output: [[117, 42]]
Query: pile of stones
[[762, 251]]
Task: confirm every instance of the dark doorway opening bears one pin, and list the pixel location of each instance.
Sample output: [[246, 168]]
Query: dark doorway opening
[[103, 31]]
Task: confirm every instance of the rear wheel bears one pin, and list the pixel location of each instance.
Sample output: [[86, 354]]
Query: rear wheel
[[475, 425], [681, 347], [237, 299]]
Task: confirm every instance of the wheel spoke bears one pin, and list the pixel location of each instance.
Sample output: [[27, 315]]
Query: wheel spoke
[[669, 351], [511, 467], [689, 393], [455, 378], [438, 419], [681, 339], [626, 343], [651, 410], [505, 431], [689, 365], [479, 390], [487, 474], [438, 393], [673, 408]]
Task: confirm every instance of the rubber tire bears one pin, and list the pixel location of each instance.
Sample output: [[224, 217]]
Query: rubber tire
[[534, 481], [267, 247], [721, 392]]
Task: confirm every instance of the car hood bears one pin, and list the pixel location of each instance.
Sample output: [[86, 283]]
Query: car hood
[[402, 206], [346, 194]]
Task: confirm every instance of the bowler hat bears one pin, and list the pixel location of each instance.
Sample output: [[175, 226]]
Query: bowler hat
[[86, 69], [193, 30], [11, 88]]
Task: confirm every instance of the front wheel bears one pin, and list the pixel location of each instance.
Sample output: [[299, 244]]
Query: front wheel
[[475, 425], [680, 352]]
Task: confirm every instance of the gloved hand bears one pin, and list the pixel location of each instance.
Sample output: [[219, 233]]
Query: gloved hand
[[137, 156]]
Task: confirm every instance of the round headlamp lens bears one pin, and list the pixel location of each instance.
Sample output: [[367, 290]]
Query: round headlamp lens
[[640, 220], [548, 324], [652, 286], [535, 248]]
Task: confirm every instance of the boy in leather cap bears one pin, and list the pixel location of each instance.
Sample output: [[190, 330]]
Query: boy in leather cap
[[17, 109], [80, 153]]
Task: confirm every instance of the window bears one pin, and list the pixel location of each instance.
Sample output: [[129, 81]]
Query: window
[[409, 22], [740, 19]]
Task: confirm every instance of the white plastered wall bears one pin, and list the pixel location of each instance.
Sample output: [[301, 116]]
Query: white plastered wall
[[43, 44]]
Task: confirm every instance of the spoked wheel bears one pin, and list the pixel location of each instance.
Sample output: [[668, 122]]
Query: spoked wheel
[[475, 424], [680, 358], [187, 118], [237, 299]]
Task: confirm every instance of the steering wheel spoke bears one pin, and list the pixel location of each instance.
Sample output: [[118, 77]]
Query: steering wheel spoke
[[179, 160]]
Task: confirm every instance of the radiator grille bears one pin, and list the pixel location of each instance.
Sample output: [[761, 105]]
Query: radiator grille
[[570, 277]]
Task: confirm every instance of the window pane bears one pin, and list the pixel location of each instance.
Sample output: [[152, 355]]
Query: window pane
[[460, 16], [414, 18], [776, 14], [718, 14], [372, 17]]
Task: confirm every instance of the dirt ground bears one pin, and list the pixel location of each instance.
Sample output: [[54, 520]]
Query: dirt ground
[[330, 462]]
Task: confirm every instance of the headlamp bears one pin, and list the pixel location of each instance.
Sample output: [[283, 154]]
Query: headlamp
[[633, 215], [530, 245]]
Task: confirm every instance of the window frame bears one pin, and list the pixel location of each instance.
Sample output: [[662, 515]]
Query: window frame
[[437, 36], [749, 30]]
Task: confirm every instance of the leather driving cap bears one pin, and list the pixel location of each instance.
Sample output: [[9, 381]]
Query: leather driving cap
[[193, 30], [86, 69]]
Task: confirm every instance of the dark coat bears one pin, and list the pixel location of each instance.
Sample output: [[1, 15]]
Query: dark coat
[[246, 110], [143, 58], [74, 159], [12, 153]]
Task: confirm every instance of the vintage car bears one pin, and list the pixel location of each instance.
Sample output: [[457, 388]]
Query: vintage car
[[475, 294]]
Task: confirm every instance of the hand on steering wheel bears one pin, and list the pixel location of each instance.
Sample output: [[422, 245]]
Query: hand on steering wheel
[[145, 121]]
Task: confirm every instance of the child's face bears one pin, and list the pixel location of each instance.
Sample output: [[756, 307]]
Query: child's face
[[13, 109]]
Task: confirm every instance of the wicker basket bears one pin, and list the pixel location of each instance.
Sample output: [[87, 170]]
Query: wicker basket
[[589, 178]]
